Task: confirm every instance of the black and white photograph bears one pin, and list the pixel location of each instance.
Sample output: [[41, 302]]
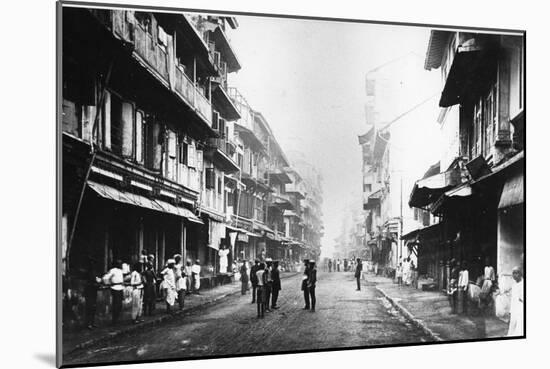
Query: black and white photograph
[[238, 184]]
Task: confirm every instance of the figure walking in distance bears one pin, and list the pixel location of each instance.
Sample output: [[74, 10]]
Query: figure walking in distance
[[358, 270], [311, 283], [305, 284]]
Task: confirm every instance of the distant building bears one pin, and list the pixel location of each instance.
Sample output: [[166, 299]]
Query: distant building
[[397, 97]]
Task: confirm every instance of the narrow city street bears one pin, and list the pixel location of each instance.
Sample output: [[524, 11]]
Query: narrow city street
[[344, 317]]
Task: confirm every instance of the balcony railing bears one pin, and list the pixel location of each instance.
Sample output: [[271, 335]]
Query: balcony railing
[[223, 145], [124, 25]]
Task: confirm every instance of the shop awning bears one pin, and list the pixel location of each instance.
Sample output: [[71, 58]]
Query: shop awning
[[512, 192], [373, 200], [420, 233], [428, 190], [450, 197], [129, 198]]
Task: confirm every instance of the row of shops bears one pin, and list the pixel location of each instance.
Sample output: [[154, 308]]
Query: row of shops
[[477, 199]]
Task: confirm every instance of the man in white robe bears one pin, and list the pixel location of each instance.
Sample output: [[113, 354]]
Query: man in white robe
[[516, 304]]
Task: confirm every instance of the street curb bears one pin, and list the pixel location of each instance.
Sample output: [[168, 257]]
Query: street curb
[[417, 322], [160, 319]]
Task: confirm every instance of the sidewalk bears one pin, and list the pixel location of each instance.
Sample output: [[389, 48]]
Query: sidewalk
[[83, 338], [431, 312]]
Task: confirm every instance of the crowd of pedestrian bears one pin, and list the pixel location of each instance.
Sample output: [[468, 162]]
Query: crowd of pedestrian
[[144, 285], [476, 296], [406, 273], [341, 265], [266, 283]]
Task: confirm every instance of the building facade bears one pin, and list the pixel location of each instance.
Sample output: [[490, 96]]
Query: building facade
[[478, 192], [159, 157]]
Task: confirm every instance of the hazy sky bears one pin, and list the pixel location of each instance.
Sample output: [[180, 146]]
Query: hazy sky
[[308, 80]]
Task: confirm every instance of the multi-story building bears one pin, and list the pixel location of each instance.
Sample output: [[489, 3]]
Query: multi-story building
[[308, 195], [479, 190], [137, 118], [220, 154], [160, 156]]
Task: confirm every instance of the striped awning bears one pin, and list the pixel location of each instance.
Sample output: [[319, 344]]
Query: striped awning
[[129, 198]]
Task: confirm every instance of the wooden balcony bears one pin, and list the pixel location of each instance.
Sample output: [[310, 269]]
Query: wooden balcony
[[220, 151], [157, 59]]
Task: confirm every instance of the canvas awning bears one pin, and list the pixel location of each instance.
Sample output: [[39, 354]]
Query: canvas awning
[[373, 200], [129, 198], [451, 196], [428, 190], [512, 192]]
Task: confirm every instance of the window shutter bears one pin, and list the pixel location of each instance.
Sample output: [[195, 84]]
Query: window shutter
[[215, 119], [221, 127], [200, 160], [183, 152], [139, 137], [191, 156], [210, 178], [171, 144]]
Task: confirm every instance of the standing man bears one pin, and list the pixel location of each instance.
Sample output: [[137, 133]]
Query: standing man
[[169, 283], [150, 293], [516, 304], [462, 297], [276, 284], [136, 281], [358, 270], [452, 288], [196, 272], [244, 277], [115, 279], [254, 278], [181, 281], [305, 283], [329, 265], [268, 286], [260, 298], [311, 283], [188, 276]]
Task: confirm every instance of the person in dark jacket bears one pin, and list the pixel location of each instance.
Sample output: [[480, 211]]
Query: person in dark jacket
[[150, 289], [276, 286], [311, 283], [268, 285], [358, 270], [305, 283], [254, 278]]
